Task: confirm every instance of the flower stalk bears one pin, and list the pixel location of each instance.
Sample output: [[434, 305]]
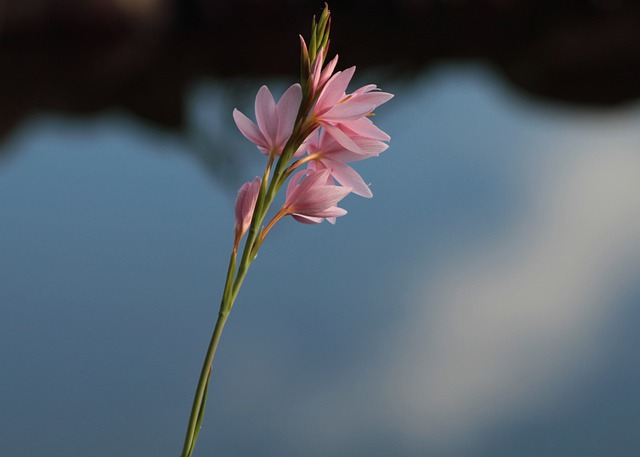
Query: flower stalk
[[315, 117]]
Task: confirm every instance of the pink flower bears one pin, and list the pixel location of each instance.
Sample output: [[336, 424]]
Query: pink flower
[[275, 121], [326, 153], [344, 116], [245, 204], [312, 199]]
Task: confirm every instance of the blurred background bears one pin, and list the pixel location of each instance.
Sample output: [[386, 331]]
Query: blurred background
[[483, 303]]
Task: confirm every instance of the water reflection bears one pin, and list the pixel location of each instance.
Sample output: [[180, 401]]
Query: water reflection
[[481, 304]]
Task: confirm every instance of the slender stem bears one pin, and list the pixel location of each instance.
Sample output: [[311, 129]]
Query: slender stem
[[304, 125], [200, 398], [197, 410], [231, 289]]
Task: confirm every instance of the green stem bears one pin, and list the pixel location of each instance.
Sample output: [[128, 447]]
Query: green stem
[[197, 410], [268, 191], [200, 398]]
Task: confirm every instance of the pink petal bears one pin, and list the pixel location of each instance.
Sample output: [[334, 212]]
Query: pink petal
[[311, 199], [307, 219], [328, 71], [312, 195], [318, 202], [347, 111], [372, 147], [330, 215], [316, 69], [301, 150], [348, 177], [335, 88], [318, 199], [364, 128], [287, 111], [342, 138], [369, 148], [314, 141], [294, 182], [326, 146], [266, 114], [333, 212], [248, 128], [365, 89], [374, 98]]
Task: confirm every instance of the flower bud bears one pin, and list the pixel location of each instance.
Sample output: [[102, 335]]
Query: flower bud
[[245, 204]]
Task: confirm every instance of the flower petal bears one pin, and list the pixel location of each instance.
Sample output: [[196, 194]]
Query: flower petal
[[266, 115], [248, 128], [330, 215], [328, 71], [307, 219], [333, 212], [294, 182], [315, 204], [342, 138], [374, 98], [348, 177], [364, 128], [347, 111], [313, 195], [364, 89], [369, 148], [287, 111], [335, 89], [314, 201]]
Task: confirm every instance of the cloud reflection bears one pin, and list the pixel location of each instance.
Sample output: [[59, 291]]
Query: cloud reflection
[[512, 327], [514, 324]]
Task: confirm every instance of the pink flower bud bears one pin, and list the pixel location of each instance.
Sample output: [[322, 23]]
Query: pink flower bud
[[245, 204]]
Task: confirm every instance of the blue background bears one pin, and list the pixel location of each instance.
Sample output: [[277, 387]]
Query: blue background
[[483, 303]]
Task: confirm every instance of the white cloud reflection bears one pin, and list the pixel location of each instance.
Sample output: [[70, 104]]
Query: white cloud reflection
[[513, 325], [509, 328]]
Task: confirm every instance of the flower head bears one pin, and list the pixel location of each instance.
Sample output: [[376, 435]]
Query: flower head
[[245, 204], [344, 116], [311, 197], [326, 153], [275, 121]]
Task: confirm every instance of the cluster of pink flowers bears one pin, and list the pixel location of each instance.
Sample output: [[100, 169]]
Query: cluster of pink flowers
[[310, 137], [336, 129]]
